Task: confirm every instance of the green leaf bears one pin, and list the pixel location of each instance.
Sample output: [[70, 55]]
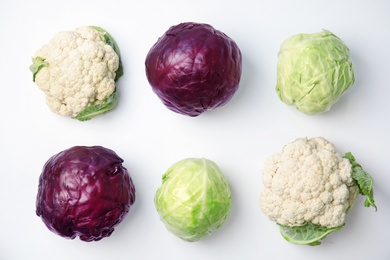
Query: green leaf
[[98, 109], [108, 39], [309, 234], [38, 64], [364, 180]]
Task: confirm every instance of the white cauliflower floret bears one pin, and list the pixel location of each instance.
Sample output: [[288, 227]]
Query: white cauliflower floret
[[80, 73], [309, 182]]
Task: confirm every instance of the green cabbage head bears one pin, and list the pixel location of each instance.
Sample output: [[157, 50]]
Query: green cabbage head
[[313, 71], [194, 199]]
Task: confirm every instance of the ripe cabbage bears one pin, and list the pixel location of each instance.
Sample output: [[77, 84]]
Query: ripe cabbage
[[84, 191], [194, 199], [194, 68], [313, 71]]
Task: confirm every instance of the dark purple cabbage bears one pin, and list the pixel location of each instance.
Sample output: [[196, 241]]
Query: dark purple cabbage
[[84, 191], [194, 68]]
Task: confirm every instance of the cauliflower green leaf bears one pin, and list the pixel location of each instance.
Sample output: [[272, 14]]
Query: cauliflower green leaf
[[308, 234], [38, 64], [94, 110], [364, 180]]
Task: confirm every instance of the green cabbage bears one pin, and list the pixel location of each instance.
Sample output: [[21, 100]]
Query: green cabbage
[[313, 71], [194, 199]]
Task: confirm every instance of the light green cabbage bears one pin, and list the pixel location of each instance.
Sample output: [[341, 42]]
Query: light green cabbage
[[194, 199], [313, 71]]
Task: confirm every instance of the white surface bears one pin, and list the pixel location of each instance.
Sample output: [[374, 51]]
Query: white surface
[[238, 136]]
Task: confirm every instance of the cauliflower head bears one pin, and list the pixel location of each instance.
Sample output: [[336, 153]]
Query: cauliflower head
[[309, 182], [78, 70]]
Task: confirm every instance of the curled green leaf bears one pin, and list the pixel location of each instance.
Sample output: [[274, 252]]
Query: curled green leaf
[[98, 109], [364, 180], [38, 64], [308, 234]]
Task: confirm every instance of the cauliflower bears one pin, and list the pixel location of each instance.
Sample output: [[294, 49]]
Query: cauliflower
[[310, 187], [77, 71]]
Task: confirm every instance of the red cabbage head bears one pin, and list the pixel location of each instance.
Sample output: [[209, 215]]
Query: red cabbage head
[[84, 191], [194, 68]]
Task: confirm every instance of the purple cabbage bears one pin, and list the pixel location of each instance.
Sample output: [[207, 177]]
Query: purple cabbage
[[194, 68], [84, 191]]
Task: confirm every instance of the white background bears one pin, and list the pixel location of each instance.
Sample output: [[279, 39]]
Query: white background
[[238, 136]]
